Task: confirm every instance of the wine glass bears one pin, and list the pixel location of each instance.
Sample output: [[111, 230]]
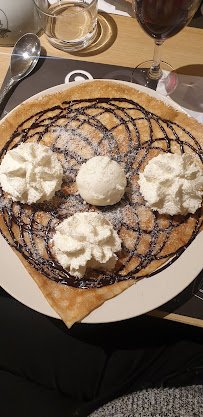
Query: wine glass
[[161, 19]]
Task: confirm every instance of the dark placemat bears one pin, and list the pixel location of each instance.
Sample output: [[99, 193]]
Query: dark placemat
[[197, 21], [54, 71], [189, 302]]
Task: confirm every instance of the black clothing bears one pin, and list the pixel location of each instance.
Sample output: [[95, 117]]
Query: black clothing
[[48, 370]]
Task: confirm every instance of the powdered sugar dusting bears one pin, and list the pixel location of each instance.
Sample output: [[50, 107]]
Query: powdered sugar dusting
[[4, 202]]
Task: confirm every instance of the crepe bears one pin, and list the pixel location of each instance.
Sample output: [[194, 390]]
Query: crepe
[[98, 118]]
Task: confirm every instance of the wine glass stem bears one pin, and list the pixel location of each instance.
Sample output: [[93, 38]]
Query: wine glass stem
[[155, 71]]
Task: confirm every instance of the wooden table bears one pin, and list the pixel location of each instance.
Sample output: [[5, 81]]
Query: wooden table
[[122, 42], [127, 44]]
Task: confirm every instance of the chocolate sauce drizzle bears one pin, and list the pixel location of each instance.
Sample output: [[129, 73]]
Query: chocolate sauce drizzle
[[71, 129]]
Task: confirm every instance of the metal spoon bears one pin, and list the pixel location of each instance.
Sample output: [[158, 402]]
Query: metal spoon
[[24, 57]]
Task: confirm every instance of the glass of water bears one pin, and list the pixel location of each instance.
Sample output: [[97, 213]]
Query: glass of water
[[69, 25]]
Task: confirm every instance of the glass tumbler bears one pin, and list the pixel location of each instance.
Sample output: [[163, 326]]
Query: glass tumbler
[[69, 25]]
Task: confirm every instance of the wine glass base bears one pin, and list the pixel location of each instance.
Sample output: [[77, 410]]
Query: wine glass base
[[165, 84]]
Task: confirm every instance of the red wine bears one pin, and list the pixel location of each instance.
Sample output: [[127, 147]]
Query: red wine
[[162, 19]]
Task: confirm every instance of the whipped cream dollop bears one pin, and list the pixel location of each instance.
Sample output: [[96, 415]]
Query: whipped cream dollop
[[101, 181], [30, 173], [86, 240], [172, 184]]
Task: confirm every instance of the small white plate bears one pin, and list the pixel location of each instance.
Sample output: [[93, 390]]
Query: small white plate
[[146, 295]]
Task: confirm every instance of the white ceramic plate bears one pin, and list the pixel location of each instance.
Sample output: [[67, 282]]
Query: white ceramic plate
[[146, 295]]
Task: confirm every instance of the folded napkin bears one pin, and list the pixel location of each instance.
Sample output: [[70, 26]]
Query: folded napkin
[[121, 7]]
